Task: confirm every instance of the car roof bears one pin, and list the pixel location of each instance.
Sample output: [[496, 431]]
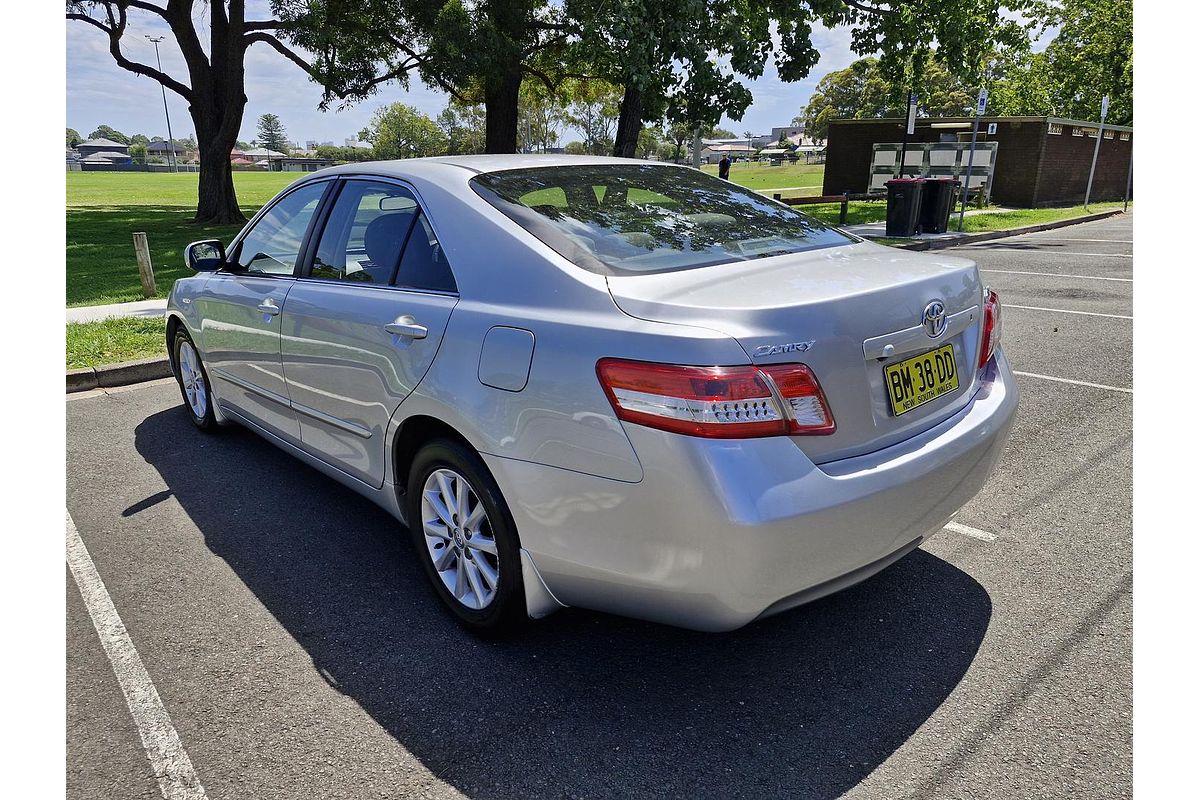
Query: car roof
[[436, 168]]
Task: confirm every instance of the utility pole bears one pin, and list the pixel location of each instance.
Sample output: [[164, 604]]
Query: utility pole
[[1099, 135], [170, 139]]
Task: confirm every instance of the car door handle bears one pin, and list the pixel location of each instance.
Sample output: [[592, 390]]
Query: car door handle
[[268, 307], [407, 326]]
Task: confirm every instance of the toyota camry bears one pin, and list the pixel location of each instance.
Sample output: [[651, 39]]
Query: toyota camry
[[594, 382]]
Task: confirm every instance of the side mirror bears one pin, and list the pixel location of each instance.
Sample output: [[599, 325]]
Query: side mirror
[[205, 256]]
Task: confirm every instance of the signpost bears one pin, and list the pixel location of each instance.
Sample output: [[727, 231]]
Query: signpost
[[1099, 135], [980, 106], [909, 128]]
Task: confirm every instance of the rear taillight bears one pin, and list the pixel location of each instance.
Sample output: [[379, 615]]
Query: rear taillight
[[717, 402], [991, 327]]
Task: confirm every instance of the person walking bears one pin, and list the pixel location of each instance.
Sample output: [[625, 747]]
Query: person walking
[[723, 167]]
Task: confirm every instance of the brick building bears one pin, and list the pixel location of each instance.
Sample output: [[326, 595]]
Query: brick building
[[1040, 161]]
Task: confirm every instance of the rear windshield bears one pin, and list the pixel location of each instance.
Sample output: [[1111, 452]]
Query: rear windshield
[[642, 218]]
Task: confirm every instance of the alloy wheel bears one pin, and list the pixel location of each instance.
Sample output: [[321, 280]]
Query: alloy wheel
[[459, 538], [192, 377]]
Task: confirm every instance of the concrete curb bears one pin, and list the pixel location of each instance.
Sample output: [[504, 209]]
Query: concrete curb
[[988, 235], [106, 375]]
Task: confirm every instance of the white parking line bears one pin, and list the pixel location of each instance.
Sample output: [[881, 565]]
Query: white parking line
[[967, 530], [1073, 382], [1066, 311], [1071, 239], [1049, 252], [176, 776], [1058, 275]]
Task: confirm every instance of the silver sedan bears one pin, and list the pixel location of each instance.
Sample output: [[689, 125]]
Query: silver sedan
[[619, 385]]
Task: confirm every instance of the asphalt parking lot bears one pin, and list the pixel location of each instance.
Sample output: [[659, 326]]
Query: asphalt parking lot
[[289, 633]]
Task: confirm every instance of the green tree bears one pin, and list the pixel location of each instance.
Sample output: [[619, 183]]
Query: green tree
[[594, 108], [463, 127], [1090, 56], [138, 152], [332, 41], [112, 134], [139, 138], [73, 137], [271, 133], [576, 149], [862, 91], [400, 131]]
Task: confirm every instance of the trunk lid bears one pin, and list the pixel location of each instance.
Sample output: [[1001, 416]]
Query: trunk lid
[[846, 312]]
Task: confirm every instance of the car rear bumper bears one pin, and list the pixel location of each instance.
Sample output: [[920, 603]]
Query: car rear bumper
[[720, 532]]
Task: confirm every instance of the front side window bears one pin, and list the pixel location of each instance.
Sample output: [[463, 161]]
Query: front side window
[[637, 218], [365, 234], [273, 245]]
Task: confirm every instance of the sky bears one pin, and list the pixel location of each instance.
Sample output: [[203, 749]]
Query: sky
[[99, 92]]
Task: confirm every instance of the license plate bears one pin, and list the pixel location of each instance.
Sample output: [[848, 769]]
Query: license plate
[[920, 379]]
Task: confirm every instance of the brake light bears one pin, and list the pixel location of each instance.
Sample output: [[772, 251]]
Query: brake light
[[991, 327], [717, 402]]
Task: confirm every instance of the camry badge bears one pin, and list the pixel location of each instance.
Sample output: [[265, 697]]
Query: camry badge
[[933, 319], [775, 349]]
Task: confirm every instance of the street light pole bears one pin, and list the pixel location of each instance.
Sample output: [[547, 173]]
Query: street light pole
[[170, 137]]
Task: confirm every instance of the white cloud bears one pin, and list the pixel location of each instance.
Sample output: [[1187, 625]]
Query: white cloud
[[776, 102]]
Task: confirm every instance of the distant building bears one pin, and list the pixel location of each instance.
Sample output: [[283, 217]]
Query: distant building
[[1038, 161], [107, 147]]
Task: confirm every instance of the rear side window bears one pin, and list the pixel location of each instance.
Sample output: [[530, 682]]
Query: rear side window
[[424, 264], [628, 219], [273, 244], [365, 233]]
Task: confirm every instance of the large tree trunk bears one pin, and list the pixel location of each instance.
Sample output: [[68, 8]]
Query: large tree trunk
[[217, 115], [217, 203], [629, 124], [500, 102]]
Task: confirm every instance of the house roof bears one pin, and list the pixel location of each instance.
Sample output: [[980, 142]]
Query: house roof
[[262, 152], [102, 143], [106, 155]]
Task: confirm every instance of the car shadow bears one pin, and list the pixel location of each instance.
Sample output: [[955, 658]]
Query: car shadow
[[802, 705]]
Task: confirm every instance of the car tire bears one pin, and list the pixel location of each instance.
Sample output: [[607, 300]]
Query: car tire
[[193, 382], [474, 564]]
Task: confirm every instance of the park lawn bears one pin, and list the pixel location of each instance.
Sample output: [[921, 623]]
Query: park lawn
[[105, 208], [979, 223], [111, 341], [808, 177], [861, 213]]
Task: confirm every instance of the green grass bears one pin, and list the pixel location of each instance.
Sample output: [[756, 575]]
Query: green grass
[[105, 208], [861, 213], [111, 341], [808, 177], [978, 223]]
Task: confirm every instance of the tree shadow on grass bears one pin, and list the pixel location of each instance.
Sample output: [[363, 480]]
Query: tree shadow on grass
[[101, 264], [802, 705]]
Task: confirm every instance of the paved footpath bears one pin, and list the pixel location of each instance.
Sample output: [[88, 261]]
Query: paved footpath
[[156, 307], [297, 652]]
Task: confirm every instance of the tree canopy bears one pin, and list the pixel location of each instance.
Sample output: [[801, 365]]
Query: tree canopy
[[400, 131], [863, 90], [112, 134], [1090, 56]]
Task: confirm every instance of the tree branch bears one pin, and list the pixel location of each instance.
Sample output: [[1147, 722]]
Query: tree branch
[[868, 8], [144, 6], [284, 50], [114, 48]]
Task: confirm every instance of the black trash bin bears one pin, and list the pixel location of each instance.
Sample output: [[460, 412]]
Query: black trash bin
[[937, 199], [904, 205]]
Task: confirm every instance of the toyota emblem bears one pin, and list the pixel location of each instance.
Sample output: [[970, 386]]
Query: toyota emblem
[[934, 319]]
